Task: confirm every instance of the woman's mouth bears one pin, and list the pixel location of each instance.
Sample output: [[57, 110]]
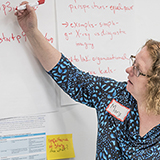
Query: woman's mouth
[[130, 82]]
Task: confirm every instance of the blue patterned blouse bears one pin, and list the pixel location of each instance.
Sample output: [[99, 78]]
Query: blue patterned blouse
[[116, 139]]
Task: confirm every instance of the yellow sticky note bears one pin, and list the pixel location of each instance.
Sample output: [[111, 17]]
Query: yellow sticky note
[[59, 146]]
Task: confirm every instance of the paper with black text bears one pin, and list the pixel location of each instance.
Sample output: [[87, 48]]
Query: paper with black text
[[23, 137]]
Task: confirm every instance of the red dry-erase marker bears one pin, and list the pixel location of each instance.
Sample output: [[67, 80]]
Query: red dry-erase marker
[[22, 7]]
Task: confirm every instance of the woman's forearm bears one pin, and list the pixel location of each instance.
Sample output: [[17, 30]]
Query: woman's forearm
[[44, 51]]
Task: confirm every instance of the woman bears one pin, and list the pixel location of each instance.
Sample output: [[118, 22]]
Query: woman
[[128, 113], [145, 87]]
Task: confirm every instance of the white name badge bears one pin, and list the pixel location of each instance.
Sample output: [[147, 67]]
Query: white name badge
[[118, 110]]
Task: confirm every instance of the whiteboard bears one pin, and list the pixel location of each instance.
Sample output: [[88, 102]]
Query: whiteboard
[[97, 36], [146, 21], [25, 87]]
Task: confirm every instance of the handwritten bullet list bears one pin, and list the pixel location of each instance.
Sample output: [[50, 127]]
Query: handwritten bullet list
[[91, 29], [84, 33]]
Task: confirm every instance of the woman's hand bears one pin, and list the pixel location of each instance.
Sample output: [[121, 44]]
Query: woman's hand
[[27, 18]]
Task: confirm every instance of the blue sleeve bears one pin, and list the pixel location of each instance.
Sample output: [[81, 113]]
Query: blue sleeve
[[81, 86]]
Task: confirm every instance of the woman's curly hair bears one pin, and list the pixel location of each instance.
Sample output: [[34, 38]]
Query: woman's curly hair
[[153, 86]]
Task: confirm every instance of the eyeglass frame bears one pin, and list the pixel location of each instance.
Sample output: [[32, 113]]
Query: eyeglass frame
[[136, 71]]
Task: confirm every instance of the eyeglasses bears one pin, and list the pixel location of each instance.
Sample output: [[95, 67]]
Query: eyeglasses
[[136, 71]]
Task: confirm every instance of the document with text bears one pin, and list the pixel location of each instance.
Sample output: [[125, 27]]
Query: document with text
[[23, 138]]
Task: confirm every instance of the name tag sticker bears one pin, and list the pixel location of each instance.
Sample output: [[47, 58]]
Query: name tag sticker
[[118, 110]]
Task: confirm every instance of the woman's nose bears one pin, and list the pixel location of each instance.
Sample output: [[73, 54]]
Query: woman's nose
[[129, 70]]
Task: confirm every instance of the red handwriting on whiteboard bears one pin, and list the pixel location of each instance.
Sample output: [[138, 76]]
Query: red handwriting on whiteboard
[[92, 72], [67, 35], [99, 70], [97, 59], [78, 35], [18, 38], [49, 39], [119, 7], [107, 70], [85, 25], [11, 37], [7, 7], [102, 71], [84, 32], [113, 8], [82, 7], [88, 25], [103, 32], [110, 33], [79, 58], [86, 45]]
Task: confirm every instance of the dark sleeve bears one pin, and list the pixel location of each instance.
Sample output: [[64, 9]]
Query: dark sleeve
[[81, 86]]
